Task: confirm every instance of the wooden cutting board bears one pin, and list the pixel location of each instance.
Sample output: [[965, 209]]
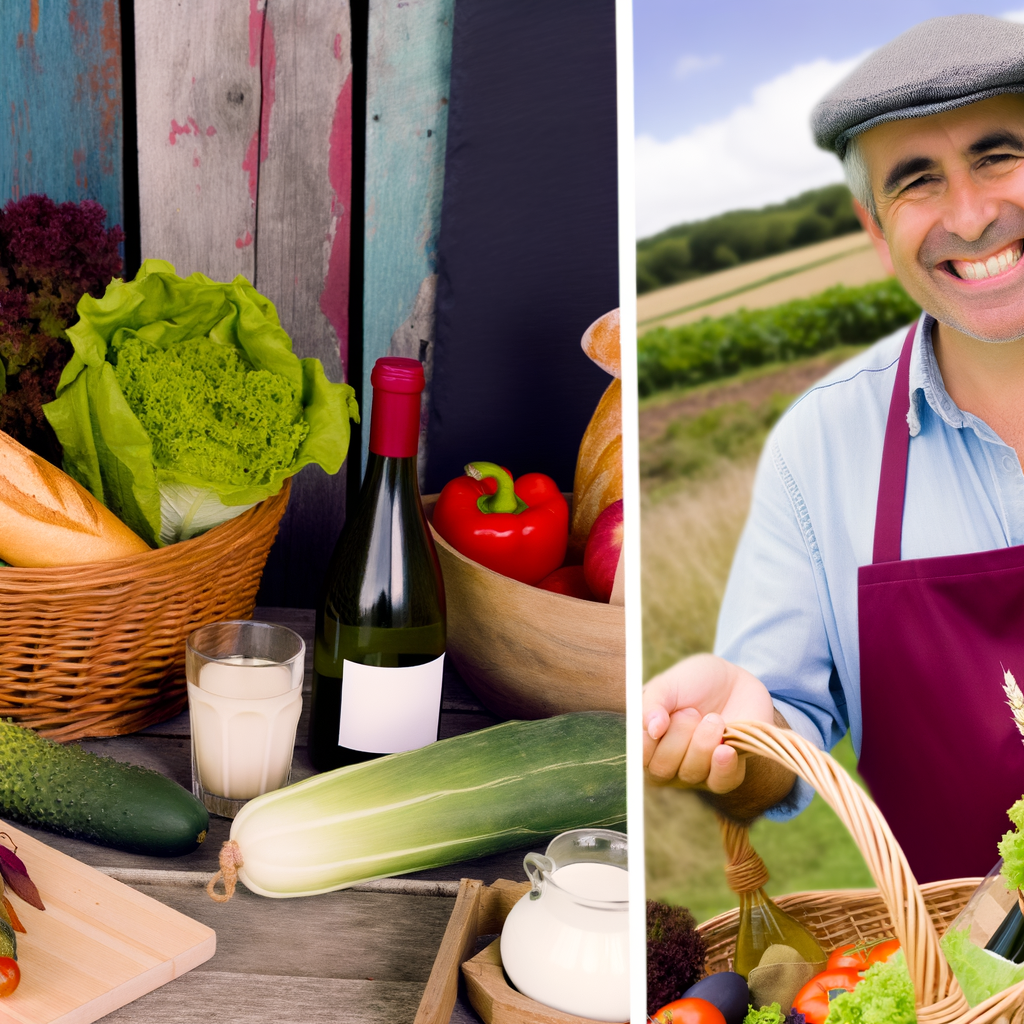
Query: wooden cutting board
[[98, 945]]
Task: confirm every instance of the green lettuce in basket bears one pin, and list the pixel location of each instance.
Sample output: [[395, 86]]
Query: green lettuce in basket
[[184, 404], [981, 973]]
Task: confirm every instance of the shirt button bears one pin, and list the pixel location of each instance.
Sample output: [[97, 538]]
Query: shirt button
[[1009, 463]]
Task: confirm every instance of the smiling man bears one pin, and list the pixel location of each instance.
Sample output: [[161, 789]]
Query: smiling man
[[879, 583]]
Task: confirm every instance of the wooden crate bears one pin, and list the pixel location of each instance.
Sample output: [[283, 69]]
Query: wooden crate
[[481, 910]]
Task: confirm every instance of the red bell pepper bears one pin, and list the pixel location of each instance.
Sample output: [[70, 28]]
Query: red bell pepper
[[814, 998], [519, 530]]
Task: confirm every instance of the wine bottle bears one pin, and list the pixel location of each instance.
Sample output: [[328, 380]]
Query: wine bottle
[[380, 626], [1008, 939]]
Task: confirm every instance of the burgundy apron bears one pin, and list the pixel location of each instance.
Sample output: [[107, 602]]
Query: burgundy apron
[[940, 752]]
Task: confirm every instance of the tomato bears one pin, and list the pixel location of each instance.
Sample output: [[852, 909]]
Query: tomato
[[10, 975], [863, 954], [689, 1011], [813, 999]]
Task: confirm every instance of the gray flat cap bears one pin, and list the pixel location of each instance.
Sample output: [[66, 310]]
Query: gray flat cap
[[938, 65]]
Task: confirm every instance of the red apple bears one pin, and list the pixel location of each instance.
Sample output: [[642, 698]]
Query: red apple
[[601, 557], [569, 581]]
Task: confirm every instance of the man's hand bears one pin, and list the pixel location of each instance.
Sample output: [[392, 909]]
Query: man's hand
[[686, 710]]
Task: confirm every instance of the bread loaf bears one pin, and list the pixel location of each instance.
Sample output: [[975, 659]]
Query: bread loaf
[[47, 519], [598, 480]]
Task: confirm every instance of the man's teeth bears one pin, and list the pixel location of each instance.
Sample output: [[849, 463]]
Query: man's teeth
[[991, 267]]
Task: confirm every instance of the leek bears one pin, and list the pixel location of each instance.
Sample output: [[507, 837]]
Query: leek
[[475, 794]]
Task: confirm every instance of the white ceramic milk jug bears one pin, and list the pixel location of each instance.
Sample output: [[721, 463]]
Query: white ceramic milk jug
[[565, 943]]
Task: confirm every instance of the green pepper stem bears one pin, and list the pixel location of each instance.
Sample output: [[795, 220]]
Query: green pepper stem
[[505, 499]]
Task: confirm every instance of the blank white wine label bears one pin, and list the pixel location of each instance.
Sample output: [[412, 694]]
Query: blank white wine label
[[386, 710]]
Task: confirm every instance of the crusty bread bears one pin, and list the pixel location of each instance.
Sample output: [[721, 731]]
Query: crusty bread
[[598, 480], [47, 519]]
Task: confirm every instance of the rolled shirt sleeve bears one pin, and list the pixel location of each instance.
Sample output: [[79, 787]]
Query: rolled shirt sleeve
[[771, 621]]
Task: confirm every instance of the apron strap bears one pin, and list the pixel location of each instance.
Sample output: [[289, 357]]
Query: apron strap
[[892, 482]]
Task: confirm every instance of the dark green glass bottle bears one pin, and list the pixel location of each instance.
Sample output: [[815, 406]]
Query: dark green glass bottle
[[1008, 939], [380, 628]]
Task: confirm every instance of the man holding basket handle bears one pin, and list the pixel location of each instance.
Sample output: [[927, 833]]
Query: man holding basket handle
[[879, 582]]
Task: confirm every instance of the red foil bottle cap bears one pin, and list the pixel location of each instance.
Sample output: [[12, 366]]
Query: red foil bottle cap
[[395, 413], [398, 374]]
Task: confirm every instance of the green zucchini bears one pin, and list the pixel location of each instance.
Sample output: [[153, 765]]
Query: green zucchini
[[459, 798], [67, 790]]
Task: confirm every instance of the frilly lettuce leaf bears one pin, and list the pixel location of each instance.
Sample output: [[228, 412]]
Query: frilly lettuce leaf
[[107, 448], [885, 995], [1011, 848]]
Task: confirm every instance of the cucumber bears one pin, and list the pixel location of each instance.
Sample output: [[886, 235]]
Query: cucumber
[[497, 789], [67, 790]]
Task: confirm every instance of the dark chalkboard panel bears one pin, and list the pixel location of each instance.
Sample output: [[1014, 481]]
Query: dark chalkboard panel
[[528, 249]]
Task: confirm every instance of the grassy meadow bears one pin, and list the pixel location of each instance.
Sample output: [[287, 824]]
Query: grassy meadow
[[698, 452]]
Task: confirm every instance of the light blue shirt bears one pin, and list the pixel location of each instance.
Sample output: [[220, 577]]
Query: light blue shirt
[[790, 610]]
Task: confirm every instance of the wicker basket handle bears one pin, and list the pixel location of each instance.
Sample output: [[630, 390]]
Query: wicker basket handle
[[938, 995]]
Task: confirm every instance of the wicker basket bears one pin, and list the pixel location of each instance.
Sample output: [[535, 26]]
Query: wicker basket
[[99, 649], [915, 915]]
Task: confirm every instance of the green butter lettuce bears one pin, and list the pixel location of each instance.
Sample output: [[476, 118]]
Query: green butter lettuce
[[980, 972], [885, 995], [184, 404]]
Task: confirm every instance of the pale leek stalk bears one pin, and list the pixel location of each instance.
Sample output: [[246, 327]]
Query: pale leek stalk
[[464, 797]]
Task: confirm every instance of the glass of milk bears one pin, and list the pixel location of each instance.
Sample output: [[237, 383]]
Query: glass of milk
[[566, 942], [244, 701]]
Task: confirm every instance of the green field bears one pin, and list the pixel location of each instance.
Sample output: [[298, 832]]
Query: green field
[[698, 451]]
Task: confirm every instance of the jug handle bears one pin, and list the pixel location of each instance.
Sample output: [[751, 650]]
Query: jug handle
[[536, 865]]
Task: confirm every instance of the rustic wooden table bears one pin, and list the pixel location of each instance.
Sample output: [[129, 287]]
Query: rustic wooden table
[[358, 956]]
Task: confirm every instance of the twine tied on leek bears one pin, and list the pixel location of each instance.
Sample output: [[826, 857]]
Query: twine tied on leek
[[230, 861]]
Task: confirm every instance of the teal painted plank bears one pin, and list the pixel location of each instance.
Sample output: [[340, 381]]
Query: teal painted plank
[[409, 68], [60, 83]]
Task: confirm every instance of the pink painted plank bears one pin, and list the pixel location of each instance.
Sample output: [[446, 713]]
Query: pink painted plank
[[199, 98], [303, 242]]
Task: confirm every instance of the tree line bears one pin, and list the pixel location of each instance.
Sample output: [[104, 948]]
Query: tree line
[[691, 250]]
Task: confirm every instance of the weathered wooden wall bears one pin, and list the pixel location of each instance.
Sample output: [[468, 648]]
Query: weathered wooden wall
[[245, 165], [408, 70], [60, 81], [245, 129]]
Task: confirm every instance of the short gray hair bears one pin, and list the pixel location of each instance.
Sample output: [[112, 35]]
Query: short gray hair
[[857, 177]]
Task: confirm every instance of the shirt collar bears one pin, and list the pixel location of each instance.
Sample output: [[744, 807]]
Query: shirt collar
[[926, 381]]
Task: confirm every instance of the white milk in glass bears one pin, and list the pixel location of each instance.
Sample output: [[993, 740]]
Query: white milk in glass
[[244, 713]]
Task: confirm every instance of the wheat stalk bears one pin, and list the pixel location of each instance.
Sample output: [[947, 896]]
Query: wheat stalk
[[1014, 699]]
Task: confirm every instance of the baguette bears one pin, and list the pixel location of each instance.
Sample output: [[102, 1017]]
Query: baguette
[[47, 519]]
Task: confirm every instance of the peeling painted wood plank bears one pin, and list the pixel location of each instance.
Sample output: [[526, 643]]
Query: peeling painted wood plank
[[302, 261], [305, 179], [199, 99], [60, 82], [409, 67]]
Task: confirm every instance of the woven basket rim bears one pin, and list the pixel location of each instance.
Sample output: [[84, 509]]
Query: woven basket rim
[[227, 535]]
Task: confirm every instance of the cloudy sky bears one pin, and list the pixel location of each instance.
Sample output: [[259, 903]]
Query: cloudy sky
[[724, 91]]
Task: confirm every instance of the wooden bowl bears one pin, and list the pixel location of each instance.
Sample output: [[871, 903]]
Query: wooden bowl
[[529, 653]]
